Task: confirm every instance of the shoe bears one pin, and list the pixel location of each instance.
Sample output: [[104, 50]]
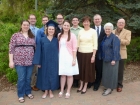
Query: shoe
[[89, 85], [21, 100], [67, 95], [79, 91], [60, 94], [105, 94], [30, 96], [95, 89], [119, 89], [43, 90], [35, 88], [83, 92]]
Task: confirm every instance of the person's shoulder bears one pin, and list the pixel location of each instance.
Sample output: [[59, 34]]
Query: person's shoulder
[[92, 30], [127, 30], [80, 27]]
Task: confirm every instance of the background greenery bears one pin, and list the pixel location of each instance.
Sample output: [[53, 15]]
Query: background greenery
[[13, 11]]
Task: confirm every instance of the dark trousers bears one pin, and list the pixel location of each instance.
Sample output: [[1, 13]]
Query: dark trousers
[[98, 68], [120, 73]]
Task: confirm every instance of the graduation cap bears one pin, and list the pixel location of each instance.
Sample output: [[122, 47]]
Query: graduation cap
[[51, 23]]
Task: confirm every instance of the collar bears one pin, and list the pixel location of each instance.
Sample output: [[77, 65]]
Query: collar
[[75, 28], [119, 31], [98, 26]]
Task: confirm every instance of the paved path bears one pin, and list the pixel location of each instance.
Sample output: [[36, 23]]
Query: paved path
[[129, 96]]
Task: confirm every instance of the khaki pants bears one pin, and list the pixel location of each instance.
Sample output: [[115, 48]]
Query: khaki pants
[[34, 76]]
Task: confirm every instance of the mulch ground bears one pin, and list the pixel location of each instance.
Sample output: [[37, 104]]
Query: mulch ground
[[131, 74]]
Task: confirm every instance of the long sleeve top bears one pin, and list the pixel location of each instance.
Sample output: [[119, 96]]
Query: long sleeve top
[[110, 48], [87, 41], [22, 49]]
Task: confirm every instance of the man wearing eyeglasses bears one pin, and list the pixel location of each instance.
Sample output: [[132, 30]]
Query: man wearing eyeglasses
[[125, 37], [59, 20], [75, 29]]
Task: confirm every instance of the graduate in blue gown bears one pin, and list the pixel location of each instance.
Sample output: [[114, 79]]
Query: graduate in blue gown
[[46, 57]]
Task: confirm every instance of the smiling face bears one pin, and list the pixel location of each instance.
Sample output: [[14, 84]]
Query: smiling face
[[25, 26], [121, 24], [60, 19], [44, 20], [86, 23], [108, 30], [66, 26], [75, 21], [51, 30], [97, 20], [32, 19]]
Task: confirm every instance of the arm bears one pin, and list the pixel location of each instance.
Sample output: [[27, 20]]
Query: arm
[[37, 55], [11, 50], [74, 49], [116, 50], [11, 62], [95, 45], [127, 39]]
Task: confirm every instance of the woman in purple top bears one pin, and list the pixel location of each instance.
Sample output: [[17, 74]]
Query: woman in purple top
[[21, 52]]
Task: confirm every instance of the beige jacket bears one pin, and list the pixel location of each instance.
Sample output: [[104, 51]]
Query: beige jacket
[[125, 38]]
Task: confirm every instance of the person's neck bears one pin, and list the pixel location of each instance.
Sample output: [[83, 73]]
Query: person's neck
[[75, 26], [33, 25], [24, 32], [65, 33], [50, 37], [60, 26], [87, 28], [119, 30], [98, 25]]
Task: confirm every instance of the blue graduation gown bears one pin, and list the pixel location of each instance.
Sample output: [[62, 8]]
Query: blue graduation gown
[[46, 55]]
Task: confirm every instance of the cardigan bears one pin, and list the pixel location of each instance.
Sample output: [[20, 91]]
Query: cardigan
[[71, 44]]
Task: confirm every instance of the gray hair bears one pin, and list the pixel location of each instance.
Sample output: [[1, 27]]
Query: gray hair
[[109, 25]]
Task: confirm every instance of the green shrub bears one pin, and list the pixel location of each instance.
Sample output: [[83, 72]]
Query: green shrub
[[11, 75], [133, 50], [6, 31]]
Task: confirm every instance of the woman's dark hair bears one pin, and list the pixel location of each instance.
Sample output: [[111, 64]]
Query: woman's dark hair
[[62, 32], [86, 18], [30, 34]]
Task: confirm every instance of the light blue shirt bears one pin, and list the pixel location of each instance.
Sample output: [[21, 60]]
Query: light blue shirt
[[34, 30]]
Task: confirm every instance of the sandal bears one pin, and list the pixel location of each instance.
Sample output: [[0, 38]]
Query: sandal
[[60, 94], [67, 95], [21, 100], [30, 96]]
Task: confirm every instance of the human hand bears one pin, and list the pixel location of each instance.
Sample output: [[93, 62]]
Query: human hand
[[11, 64], [112, 62], [39, 66], [92, 59], [73, 62]]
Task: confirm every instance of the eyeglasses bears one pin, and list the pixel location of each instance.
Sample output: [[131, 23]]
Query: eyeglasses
[[59, 18], [121, 22]]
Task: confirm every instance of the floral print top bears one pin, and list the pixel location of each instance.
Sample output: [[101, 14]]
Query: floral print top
[[22, 49]]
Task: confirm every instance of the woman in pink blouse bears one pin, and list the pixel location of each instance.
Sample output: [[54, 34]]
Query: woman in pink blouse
[[21, 52], [67, 58]]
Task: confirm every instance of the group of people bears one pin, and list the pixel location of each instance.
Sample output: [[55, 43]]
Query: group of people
[[58, 55]]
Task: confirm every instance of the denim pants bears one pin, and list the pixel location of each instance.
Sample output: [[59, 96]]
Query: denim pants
[[24, 80]]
